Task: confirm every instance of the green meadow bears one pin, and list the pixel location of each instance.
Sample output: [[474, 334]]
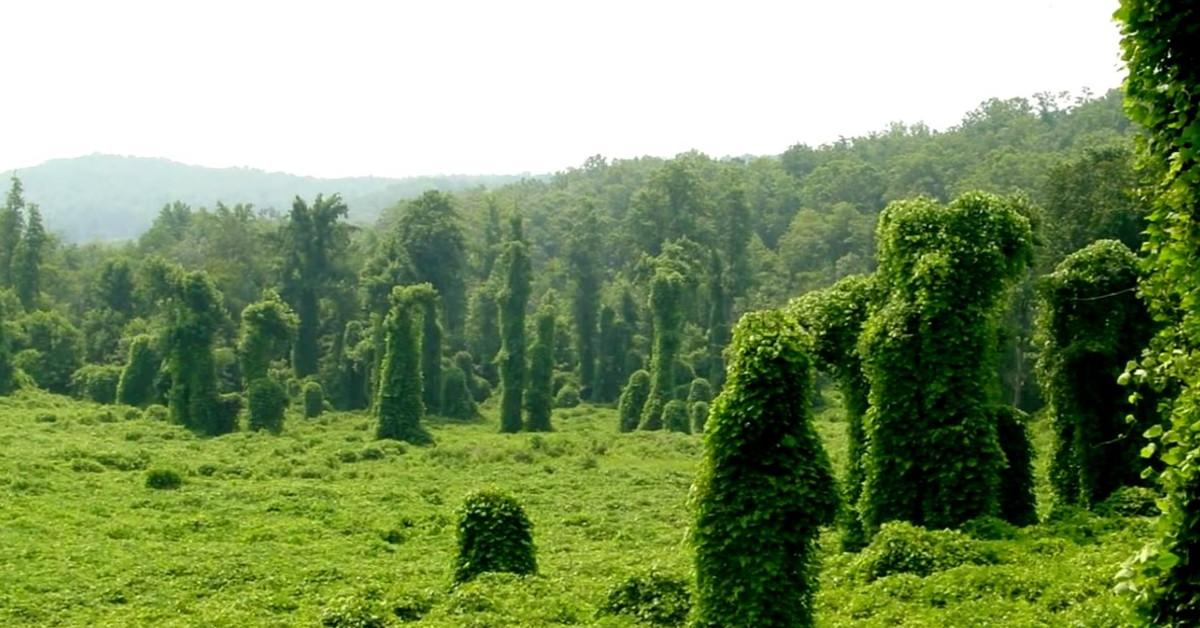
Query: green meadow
[[323, 525]]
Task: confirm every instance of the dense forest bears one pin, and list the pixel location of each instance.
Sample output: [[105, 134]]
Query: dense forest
[[917, 377]]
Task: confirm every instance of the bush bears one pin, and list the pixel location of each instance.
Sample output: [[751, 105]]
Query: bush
[[225, 413], [314, 400], [163, 479], [494, 535], [567, 397], [675, 417], [457, 400], [632, 399], [156, 412], [699, 414], [136, 386], [267, 402], [353, 612], [96, 382], [700, 390], [653, 598], [990, 529], [1130, 501], [901, 547]]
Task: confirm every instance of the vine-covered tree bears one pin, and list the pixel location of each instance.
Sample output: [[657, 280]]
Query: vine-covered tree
[[195, 314], [513, 298], [483, 329], [585, 247], [315, 239], [835, 317], [399, 404], [928, 352], [539, 398], [610, 357], [431, 355], [137, 384], [428, 230], [268, 329], [765, 486], [1162, 94], [1091, 322], [666, 294], [633, 399]]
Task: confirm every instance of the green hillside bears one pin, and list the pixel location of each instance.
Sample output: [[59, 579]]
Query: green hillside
[[110, 197]]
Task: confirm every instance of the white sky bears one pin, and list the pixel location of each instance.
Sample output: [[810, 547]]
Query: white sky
[[408, 88]]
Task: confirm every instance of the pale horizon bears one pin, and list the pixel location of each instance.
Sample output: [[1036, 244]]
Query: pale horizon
[[529, 87]]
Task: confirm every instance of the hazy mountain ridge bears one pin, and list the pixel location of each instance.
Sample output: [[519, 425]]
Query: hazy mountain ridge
[[112, 197]]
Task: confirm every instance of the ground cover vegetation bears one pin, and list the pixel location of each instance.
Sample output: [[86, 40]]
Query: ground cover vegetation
[[914, 378]]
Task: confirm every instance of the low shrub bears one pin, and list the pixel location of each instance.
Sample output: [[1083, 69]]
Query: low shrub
[[163, 479], [494, 535], [901, 547], [1130, 501], [353, 612], [567, 397], [96, 382], [653, 598], [990, 529], [675, 417], [314, 400]]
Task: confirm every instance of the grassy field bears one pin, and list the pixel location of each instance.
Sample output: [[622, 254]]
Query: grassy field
[[323, 523]]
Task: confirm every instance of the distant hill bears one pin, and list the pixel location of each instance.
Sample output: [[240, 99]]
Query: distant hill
[[110, 197]]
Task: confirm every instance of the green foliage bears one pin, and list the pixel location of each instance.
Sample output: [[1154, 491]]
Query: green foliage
[[610, 357], [314, 399], [136, 386], [835, 317], [96, 382], [483, 330], [494, 535], [1162, 95], [666, 293], [700, 390], [676, 417], [196, 313], [51, 350], [315, 239], [1018, 503], [1090, 324], [163, 479], [457, 400], [428, 231], [12, 224], [431, 356], [539, 398], [7, 382], [901, 547], [567, 396], [1130, 501], [933, 456], [399, 405], [584, 250], [513, 298], [354, 612], [28, 259], [633, 399], [268, 329], [654, 598], [765, 486], [698, 412], [267, 402]]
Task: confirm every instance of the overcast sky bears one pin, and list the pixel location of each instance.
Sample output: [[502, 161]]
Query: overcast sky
[[410, 88]]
